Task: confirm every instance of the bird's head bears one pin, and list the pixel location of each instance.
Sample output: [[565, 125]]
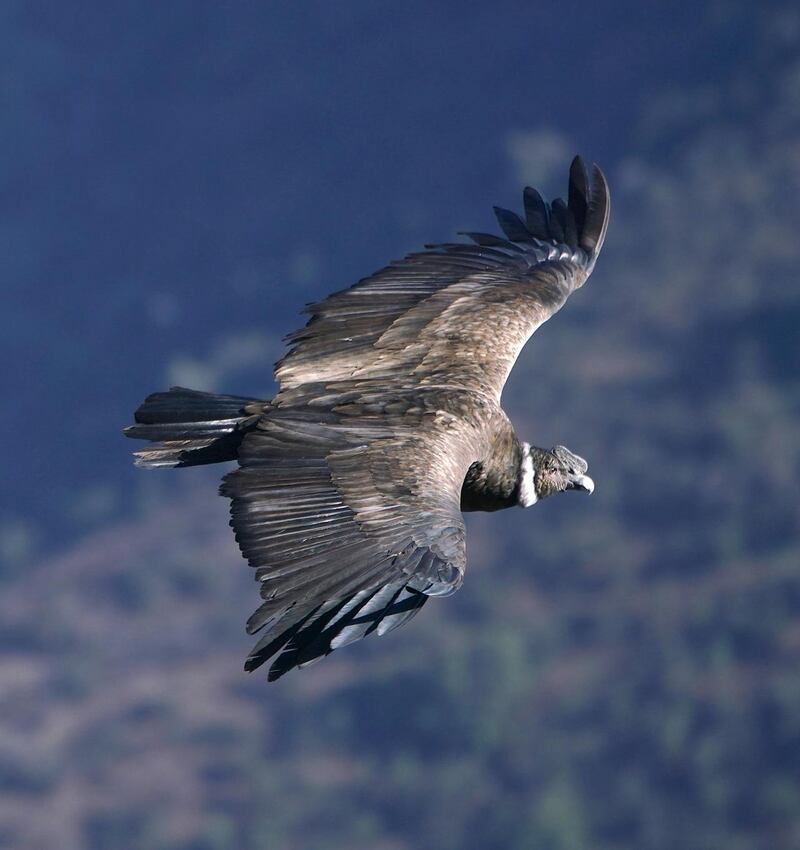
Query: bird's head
[[544, 472]]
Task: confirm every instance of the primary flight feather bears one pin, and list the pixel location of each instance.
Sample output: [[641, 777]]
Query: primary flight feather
[[387, 425]]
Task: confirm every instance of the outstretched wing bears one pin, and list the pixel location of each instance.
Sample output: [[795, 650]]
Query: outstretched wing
[[351, 519], [456, 314]]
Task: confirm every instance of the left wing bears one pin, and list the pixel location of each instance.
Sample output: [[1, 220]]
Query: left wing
[[351, 518]]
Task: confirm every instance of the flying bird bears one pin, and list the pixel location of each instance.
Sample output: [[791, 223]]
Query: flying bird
[[387, 425]]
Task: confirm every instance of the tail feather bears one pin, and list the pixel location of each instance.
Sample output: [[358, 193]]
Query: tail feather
[[190, 427]]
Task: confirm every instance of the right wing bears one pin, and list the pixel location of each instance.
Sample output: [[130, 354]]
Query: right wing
[[456, 314]]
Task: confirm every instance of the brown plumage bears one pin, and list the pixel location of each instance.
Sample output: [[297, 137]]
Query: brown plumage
[[387, 425]]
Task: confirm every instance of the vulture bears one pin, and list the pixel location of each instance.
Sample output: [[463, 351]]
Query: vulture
[[387, 425]]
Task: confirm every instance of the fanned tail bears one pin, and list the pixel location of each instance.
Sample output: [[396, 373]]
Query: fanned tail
[[190, 427]]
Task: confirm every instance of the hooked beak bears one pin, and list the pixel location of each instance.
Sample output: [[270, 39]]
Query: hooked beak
[[581, 482]]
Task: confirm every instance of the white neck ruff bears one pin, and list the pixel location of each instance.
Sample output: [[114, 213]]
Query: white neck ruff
[[526, 489]]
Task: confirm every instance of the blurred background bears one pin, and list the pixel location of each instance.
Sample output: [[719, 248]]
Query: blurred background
[[618, 672]]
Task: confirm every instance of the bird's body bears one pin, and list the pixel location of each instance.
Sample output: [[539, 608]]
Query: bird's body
[[496, 480], [387, 425]]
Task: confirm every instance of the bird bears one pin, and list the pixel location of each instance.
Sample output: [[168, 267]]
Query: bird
[[387, 426]]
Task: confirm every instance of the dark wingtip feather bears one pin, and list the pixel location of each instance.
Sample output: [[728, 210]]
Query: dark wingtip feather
[[578, 198], [512, 225], [566, 221], [485, 240], [536, 213], [270, 644], [596, 224]]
